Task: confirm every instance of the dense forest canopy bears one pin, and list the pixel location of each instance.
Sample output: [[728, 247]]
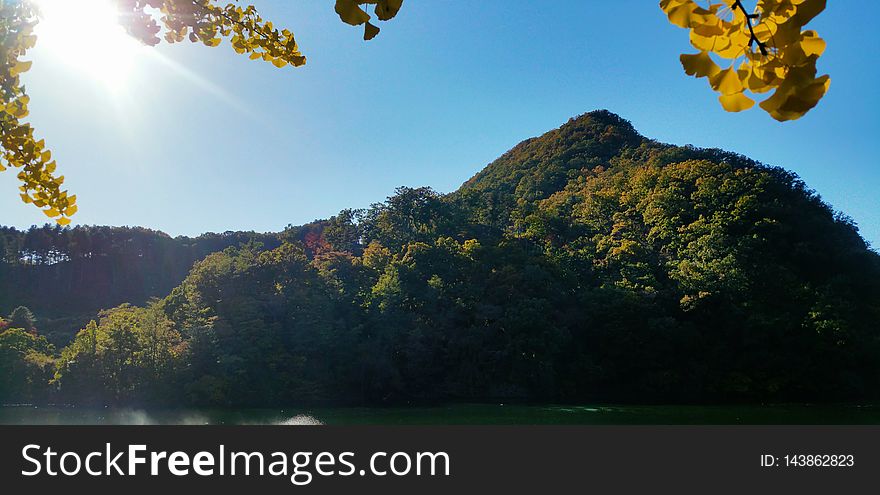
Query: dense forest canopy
[[587, 264], [68, 274]]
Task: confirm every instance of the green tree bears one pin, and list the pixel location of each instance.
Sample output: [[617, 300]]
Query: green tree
[[22, 317], [131, 355], [25, 363]]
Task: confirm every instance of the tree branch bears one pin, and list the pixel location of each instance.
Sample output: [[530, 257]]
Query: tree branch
[[749, 18]]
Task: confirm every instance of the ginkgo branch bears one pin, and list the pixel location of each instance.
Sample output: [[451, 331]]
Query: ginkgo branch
[[229, 18], [749, 18]]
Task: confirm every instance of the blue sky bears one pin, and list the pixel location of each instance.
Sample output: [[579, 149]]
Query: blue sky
[[202, 139]]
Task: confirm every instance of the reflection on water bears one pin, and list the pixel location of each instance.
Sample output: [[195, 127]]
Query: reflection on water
[[484, 414], [31, 415], [300, 420]]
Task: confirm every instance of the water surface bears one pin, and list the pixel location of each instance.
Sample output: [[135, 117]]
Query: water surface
[[460, 414]]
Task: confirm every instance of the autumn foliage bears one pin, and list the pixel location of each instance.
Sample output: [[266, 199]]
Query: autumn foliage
[[764, 51]]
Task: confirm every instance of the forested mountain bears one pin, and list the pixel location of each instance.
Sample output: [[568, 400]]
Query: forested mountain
[[509, 188], [587, 264]]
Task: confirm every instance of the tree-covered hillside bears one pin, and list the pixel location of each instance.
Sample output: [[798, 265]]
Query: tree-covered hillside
[[67, 275], [510, 187], [587, 264]]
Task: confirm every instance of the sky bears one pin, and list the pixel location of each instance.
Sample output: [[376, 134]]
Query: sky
[[189, 139]]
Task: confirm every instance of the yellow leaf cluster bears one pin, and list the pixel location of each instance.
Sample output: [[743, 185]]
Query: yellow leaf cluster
[[18, 147], [768, 51], [207, 22]]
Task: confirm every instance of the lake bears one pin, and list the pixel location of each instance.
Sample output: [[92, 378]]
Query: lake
[[461, 414]]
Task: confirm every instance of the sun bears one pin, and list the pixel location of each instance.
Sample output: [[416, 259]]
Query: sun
[[86, 35]]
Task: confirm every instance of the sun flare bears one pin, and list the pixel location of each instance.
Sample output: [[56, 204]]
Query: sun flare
[[86, 35]]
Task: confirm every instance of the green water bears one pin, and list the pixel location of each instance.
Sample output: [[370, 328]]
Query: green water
[[479, 414]]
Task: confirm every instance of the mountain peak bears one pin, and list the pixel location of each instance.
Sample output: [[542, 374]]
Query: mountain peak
[[537, 167], [604, 118]]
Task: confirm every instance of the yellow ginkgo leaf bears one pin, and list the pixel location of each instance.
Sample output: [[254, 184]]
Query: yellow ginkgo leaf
[[808, 9], [63, 221], [680, 12], [791, 101], [806, 97], [699, 65], [736, 102], [387, 9], [787, 32], [351, 13], [726, 82], [755, 83], [370, 31], [701, 42], [19, 111], [812, 44], [701, 16], [19, 67], [734, 45]]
